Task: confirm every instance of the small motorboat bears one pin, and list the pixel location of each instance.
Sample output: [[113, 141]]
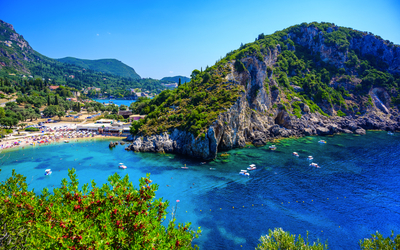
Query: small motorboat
[[185, 167], [295, 154], [273, 147], [314, 165], [47, 172], [244, 172], [390, 133], [252, 167], [310, 158], [212, 169], [121, 165], [322, 141]]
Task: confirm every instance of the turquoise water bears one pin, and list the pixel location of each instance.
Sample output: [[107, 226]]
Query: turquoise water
[[116, 102], [353, 194]]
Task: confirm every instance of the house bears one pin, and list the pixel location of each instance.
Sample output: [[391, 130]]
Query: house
[[126, 114], [71, 99], [52, 87], [136, 117]]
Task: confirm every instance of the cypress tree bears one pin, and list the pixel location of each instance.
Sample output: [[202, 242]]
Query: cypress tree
[[179, 83], [48, 100], [56, 100]]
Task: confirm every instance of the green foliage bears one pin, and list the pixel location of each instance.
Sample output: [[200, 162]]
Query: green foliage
[[30, 129], [110, 66], [239, 66], [340, 113], [378, 242], [281, 240], [296, 109], [114, 216]]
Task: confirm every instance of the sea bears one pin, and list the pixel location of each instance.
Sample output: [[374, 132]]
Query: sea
[[354, 193], [117, 102]]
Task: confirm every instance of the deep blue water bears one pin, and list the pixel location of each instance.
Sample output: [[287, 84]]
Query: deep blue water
[[116, 102], [353, 194]]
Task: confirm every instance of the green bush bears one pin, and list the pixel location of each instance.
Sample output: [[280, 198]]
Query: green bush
[[340, 113], [239, 66], [281, 240], [378, 242], [32, 129]]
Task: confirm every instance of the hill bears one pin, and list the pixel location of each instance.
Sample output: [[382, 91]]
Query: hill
[[308, 79], [18, 62], [110, 66], [176, 79]]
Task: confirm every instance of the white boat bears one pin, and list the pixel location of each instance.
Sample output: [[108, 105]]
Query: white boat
[[121, 165], [390, 133], [252, 167], [322, 141], [47, 172], [295, 154], [314, 165], [310, 158], [273, 147], [244, 172]]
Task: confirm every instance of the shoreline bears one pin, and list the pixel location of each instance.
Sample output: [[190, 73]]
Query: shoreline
[[26, 145]]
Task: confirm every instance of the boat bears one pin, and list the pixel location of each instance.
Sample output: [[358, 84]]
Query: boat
[[273, 147], [322, 141], [121, 165], [390, 133], [310, 158], [314, 165], [185, 167], [295, 154], [47, 172], [212, 169], [66, 141], [244, 172], [252, 167]]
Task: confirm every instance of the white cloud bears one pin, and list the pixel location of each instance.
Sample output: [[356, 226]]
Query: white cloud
[[98, 35], [171, 72]]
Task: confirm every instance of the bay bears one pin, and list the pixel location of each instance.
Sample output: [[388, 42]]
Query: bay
[[354, 194], [117, 102]]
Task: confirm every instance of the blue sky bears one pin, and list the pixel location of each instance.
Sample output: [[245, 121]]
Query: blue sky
[[168, 38]]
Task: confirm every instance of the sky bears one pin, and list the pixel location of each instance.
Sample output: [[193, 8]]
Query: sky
[[169, 38]]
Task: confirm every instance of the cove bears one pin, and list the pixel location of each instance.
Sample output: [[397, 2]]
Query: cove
[[353, 194]]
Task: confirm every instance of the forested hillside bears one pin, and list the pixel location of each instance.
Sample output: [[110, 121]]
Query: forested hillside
[[110, 66], [18, 60], [298, 81]]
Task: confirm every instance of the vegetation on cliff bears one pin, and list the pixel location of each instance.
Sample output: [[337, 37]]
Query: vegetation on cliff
[[332, 73]]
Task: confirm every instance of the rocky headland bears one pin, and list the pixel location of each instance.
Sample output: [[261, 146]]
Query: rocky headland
[[265, 109]]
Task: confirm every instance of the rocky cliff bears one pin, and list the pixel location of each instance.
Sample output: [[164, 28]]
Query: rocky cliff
[[272, 104]]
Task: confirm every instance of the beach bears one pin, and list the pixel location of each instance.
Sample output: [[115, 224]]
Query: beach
[[60, 133]]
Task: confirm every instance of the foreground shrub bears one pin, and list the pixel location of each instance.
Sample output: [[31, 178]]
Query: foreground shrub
[[281, 240], [377, 241], [115, 216]]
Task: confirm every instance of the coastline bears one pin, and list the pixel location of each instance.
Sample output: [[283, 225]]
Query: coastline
[[25, 145]]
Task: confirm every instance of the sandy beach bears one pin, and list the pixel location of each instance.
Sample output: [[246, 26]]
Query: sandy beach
[[60, 133]]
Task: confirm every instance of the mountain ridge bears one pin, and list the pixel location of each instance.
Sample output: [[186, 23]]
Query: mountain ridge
[[111, 66]]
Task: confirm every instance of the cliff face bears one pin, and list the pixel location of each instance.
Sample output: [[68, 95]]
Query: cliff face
[[264, 109], [14, 49]]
